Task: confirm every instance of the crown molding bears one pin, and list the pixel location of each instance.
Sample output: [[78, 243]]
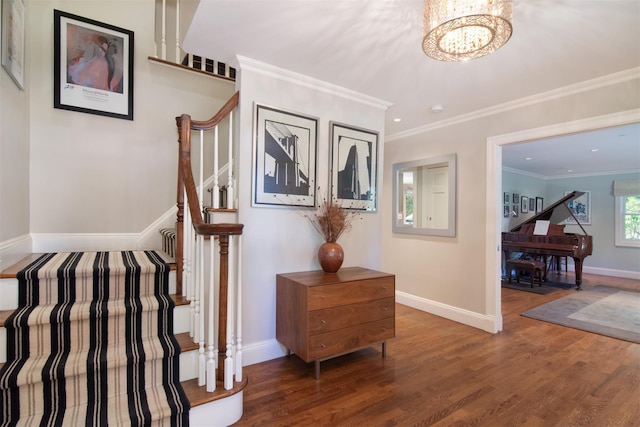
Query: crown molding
[[573, 175], [587, 85], [309, 82]]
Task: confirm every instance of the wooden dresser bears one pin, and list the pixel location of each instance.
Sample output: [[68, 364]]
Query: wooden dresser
[[322, 315]]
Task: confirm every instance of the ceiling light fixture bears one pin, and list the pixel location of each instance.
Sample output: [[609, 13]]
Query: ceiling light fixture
[[458, 30]]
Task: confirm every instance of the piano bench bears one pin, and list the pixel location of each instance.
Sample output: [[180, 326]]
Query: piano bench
[[534, 268]]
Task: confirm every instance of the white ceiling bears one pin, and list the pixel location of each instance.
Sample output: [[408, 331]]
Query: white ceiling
[[374, 47]]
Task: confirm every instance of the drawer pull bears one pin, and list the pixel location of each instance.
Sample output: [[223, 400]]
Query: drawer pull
[[323, 321], [323, 346], [384, 329]]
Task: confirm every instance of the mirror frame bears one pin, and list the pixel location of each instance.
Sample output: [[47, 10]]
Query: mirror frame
[[451, 161]]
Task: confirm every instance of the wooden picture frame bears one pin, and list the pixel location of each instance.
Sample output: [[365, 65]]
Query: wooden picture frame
[[13, 40], [354, 167], [93, 67], [285, 152]]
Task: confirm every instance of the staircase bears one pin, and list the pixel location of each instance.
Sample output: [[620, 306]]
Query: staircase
[[206, 408], [206, 290]]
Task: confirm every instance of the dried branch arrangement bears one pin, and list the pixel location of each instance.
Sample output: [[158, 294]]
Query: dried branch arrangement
[[332, 220]]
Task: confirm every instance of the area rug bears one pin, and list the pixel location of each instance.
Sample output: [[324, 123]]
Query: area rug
[[602, 310], [548, 286]]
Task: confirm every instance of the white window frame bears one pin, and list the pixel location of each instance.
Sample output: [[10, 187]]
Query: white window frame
[[620, 212]]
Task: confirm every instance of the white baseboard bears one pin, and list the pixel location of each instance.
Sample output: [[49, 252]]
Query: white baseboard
[[262, 351], [13, 250], [466, 317], [611, 272]]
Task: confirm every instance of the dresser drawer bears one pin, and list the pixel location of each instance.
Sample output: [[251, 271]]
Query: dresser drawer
[[333, 295], [330, 319], [348, 339]]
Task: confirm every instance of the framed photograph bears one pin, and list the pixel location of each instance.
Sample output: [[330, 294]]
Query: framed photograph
[[539, 204], [285, 149], [354, 167], [581, 209], [516, 198], [92, 66], [13, 30], [506, 211], [532, 204], [505, 198], [524, 204], [514, 212]]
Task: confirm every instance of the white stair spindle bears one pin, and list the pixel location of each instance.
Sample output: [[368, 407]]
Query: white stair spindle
[[216, 172], [163, 40], [211, 312], [200, 314], [230, 189], [239, 310], [228, 360], [177, 60], [200, 188]]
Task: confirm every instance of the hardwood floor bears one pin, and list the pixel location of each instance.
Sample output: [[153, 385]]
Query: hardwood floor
[[439, 372]]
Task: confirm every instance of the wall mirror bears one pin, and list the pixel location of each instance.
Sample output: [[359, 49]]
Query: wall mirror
[[424, 196]]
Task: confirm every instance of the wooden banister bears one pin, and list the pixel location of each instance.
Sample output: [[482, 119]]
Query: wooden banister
[[221, 232], [187, 183]]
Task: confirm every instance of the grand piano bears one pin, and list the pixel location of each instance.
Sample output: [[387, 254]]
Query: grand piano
[[526, 237]]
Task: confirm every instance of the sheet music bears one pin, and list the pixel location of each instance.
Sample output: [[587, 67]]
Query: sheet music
[[541, 228]]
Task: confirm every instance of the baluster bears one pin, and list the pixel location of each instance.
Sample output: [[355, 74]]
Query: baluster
[[211, 362], [230, 189], [239, 310], [228, 361], [163, 36], [189, 238], [200, 187], [216, 172], [199, 312], [177, 60]]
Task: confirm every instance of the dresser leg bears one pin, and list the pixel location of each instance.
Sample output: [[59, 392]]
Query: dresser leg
[[384, 349], [317, 373]]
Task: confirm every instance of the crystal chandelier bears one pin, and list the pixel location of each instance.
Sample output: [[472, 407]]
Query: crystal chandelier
[[457, 30]]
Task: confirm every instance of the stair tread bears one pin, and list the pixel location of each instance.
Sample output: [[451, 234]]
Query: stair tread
[[185, 342], [198, 395], [157, 407], [11, 272]]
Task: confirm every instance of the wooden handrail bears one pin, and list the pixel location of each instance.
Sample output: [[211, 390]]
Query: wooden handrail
[[186, 183], [223, 231]]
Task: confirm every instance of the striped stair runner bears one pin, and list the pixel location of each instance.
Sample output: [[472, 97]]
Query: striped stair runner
[[169, 241], [92, 343]]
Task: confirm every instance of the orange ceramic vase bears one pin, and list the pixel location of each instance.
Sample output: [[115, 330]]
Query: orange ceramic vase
[[330, 256]]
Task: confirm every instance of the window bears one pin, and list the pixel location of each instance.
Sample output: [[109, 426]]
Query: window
[[627, 212]]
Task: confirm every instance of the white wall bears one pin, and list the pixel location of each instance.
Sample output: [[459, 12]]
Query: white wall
[[279, 240], [14, 168], [95, 174], [523, 185], [448, 276]]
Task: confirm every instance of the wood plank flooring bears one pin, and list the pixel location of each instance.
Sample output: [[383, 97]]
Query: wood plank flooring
[[442, 373]]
